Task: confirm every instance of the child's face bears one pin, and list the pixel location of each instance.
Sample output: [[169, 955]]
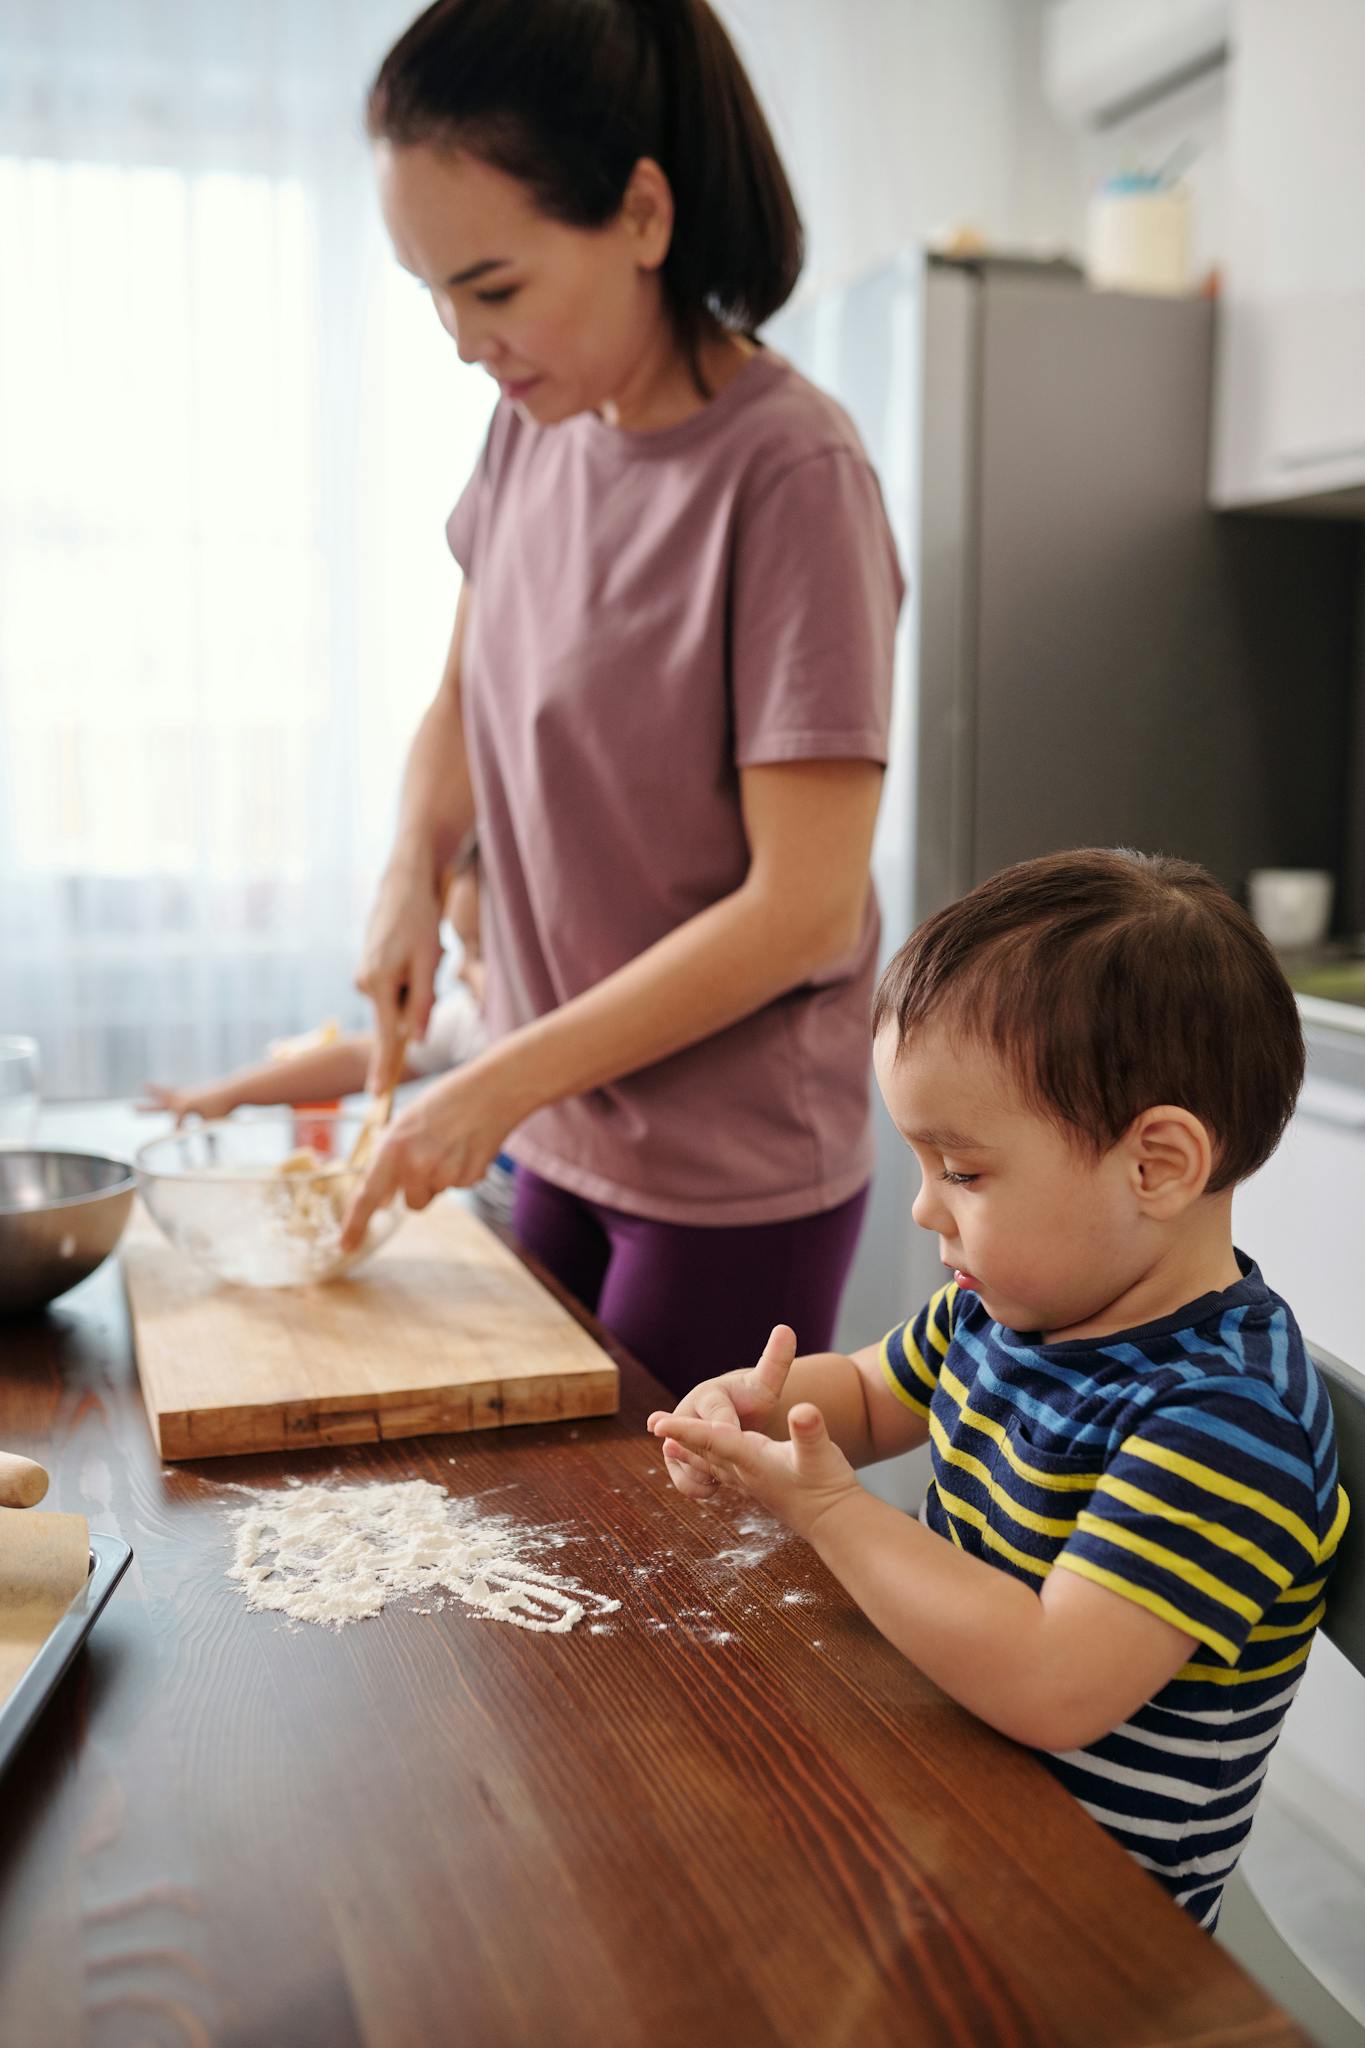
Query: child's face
[[556, 314], [1047, 1234]]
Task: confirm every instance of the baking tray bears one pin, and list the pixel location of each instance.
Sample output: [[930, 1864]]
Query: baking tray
[[109, 1557]]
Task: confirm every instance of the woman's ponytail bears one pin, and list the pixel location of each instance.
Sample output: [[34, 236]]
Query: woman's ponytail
[[738, 245]]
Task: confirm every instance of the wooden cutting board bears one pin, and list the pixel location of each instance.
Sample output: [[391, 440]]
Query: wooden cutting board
[[443, 1330]]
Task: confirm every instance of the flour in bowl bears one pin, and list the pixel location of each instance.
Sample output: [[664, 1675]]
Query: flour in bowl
[[337, 1553]]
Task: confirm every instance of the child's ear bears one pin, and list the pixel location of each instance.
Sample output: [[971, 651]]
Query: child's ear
[[1170, 1159]]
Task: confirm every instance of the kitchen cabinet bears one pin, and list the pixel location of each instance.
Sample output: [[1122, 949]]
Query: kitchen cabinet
[[1290, 402], [1299, 1217]]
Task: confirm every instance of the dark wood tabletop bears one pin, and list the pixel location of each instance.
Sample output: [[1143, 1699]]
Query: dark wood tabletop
[[732, 1816]]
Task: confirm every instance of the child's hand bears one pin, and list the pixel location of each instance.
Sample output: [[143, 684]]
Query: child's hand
[[799, 1481], [735, 1399], [209, 1103]]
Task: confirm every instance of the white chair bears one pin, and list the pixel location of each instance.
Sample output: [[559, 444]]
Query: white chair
[[1244, 1927]]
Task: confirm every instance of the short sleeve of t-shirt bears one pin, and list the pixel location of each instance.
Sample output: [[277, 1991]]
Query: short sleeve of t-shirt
[[467, 523], [1208, 1513], [816, 594], [913, 1353]]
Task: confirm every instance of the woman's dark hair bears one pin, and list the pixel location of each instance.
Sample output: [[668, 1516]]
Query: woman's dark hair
[[1110, 982], [568, 95]]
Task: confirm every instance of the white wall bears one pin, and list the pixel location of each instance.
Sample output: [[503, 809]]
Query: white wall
[[898, 118], [1192, 124], [1112, 45]]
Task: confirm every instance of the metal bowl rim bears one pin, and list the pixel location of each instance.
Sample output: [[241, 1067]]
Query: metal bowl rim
[[118, 1187]]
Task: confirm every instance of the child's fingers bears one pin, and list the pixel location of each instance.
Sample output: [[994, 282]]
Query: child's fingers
[[809, 1437], [676, 1454], [711, 1402], [722, 1446], [776, 1361], [714, 1404], [688, 1473], [661, 1416], [688, 1430], [679, 1460]]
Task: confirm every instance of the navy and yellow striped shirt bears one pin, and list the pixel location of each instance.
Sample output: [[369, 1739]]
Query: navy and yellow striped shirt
[[1190, 1466]]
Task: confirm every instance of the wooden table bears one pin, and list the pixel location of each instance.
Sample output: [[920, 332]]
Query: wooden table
[[736, 1819]]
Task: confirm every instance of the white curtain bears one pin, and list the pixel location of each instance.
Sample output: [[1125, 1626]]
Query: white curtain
[[230, 431]]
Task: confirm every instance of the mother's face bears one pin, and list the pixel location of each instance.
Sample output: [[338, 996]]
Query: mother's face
[[559, 315]]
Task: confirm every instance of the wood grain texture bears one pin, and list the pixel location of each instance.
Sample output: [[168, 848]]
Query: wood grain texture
[[443, 1330], [735, 1818]]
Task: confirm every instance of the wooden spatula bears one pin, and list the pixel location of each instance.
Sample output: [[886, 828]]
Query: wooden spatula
[[381, 1108]]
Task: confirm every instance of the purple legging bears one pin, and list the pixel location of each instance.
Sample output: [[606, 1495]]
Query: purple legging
[[692, 1300]]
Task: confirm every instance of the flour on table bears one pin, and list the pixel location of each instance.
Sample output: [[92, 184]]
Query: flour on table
[[337, 1553], [764, 1534]]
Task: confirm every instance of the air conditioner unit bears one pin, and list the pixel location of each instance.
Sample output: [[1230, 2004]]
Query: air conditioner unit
[[1104, 60]]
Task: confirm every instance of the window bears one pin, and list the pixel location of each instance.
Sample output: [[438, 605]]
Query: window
[[232, 430]]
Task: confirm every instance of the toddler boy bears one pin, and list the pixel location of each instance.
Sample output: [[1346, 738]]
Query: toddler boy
[[1134, 1506]]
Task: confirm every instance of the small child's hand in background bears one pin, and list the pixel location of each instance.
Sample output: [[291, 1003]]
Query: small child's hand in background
[[735, 1400], [798, 1481], [209, 1103]]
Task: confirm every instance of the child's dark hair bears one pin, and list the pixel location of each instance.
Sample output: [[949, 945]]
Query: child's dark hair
[[1110, 982], [568, 95]]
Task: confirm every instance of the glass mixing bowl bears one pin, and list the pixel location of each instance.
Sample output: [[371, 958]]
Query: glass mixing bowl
[[244, 1200]]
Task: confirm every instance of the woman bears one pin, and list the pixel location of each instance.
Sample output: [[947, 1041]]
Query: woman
[[667, 693]]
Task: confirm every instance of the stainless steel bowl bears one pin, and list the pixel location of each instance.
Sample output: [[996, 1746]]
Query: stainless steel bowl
[[61, 1214]]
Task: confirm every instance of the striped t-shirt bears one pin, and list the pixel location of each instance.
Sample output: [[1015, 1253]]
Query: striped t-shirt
[[1189, 1465]]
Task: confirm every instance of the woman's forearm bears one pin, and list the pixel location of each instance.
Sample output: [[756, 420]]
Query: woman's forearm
[[436, 801], [722, 965], [799, 909]]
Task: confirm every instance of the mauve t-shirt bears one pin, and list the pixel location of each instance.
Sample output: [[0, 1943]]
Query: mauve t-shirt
[[650, 613]]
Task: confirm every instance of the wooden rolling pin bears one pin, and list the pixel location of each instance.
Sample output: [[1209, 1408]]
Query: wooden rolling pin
[[22, 1483]]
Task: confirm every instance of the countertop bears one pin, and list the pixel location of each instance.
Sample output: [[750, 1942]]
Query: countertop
[[1329, 984], [734, 1816]]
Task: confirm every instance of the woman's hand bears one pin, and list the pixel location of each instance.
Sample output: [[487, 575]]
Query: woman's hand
[[735, 1400], [447, 1138], [398, 965]]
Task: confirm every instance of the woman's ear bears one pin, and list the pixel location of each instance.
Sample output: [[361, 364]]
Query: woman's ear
[[647, 213], [1170, 1157]]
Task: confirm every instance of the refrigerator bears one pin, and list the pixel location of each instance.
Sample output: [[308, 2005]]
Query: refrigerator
[[1089, 655]]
